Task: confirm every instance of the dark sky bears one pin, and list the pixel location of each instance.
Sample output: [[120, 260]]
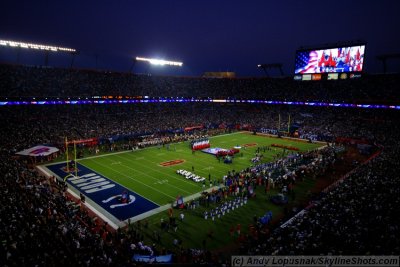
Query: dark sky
[[207, 35]]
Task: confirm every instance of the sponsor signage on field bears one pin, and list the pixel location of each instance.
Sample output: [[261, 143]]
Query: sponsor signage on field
[[119, 201]]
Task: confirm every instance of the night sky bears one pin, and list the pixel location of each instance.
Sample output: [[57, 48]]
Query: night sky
[[206, 35]]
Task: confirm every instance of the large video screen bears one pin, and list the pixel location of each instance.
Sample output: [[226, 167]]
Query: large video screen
[[342, 59]]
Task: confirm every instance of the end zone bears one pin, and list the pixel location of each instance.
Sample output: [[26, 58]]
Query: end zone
[[104, 193]]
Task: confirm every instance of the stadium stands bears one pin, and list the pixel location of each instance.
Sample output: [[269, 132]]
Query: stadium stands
[[28, 81], [341, 220]]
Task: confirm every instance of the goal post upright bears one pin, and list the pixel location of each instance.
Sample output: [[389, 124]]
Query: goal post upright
[[67, 143], [76, 168], [279, 122], [66, 151]]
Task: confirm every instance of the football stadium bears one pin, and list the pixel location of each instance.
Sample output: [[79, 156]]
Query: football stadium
[[174, 163]]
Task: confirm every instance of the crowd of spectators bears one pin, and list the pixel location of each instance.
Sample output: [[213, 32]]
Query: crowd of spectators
[[32, 81], [138, 122], [40, 226], [355, 216]]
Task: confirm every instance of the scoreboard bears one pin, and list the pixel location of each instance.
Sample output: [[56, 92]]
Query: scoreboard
[[333, 63]]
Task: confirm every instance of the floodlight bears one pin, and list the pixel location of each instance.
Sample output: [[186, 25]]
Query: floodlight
[[36, 46], [160, 62]]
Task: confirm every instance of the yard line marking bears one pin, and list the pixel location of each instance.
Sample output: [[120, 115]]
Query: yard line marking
[[188, 152], [192, 162], [225, 168], [156, 178], [105, 155], [95, 171], [227, 134], [208, 168], [164, 173], [172, 197], [165, 181]]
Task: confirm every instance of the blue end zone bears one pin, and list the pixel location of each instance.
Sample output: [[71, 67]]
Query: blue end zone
[[106, 193]]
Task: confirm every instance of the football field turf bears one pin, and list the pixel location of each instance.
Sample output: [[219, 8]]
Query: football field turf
[[142, 171]]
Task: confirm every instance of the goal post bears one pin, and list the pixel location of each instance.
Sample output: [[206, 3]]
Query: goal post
[[281, 125], [69, 171]]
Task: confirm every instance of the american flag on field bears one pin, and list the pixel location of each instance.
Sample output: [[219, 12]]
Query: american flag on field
[[306, 62]]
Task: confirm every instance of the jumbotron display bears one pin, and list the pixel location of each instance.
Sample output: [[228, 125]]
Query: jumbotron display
[[342, 59]]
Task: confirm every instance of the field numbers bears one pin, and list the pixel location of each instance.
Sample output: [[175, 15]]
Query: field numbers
[[162, 182]]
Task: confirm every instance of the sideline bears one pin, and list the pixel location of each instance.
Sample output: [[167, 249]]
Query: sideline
[[289, 138], [127, 151], [167, 206]]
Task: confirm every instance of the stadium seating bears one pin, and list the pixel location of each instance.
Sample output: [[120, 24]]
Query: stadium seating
[[28, 81]]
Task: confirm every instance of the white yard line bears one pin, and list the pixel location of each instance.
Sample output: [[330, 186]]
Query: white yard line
[[132, 180], [163, 173]]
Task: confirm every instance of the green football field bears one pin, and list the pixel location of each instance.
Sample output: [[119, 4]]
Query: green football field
[[140, 170]]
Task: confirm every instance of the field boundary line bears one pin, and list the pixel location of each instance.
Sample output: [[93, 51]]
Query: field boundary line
[[167, 206], [290, 138], [149, 147]]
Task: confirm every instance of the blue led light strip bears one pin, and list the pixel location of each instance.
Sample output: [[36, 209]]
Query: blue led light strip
[[185, 100]]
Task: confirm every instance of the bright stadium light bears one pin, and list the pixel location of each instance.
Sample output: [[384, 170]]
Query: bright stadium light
[[160, 62], [36, 46]]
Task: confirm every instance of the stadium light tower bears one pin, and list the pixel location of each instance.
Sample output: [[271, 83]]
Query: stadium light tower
[[35, 46], [160, 62], [46, 48]]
